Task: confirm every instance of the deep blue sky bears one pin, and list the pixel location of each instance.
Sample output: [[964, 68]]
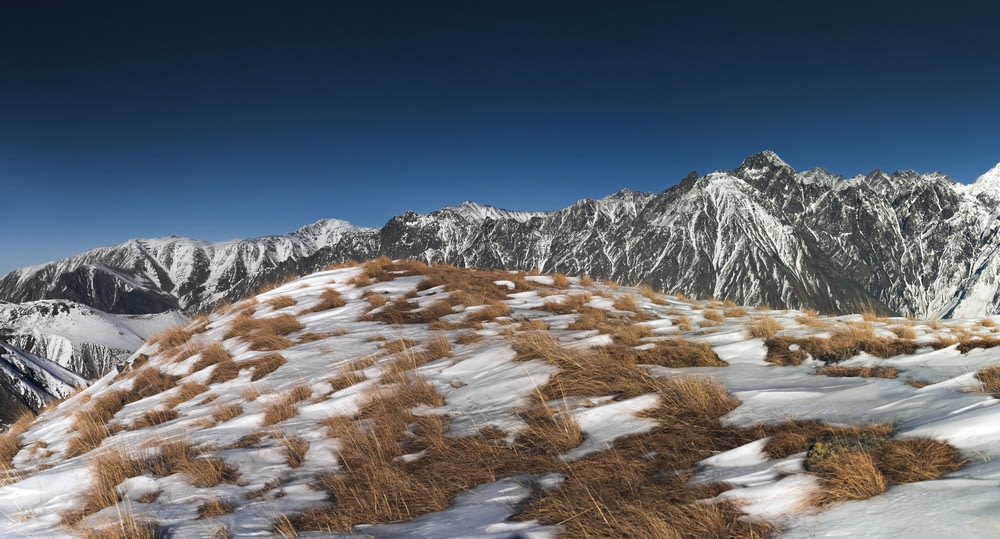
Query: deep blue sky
[[221, 120]]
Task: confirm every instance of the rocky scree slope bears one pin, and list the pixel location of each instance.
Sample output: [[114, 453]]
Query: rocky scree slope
[[903, 243]]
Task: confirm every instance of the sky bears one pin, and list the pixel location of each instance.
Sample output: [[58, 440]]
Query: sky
[[221, 120]]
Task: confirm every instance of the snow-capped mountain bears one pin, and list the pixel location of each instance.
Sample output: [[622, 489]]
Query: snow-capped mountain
[[763, 233]]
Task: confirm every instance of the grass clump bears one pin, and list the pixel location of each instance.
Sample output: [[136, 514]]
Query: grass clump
[[679, 353], [285, 406], [329, 299], [763, 327], [263, 365], [990, 379], [839, 371]]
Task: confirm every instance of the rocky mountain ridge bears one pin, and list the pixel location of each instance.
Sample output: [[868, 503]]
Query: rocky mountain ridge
[[902, 243]]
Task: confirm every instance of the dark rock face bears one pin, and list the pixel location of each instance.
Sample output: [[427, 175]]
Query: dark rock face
[[902, 243]]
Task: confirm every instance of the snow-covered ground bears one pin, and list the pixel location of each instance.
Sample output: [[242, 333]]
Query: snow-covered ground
[[483, 383]]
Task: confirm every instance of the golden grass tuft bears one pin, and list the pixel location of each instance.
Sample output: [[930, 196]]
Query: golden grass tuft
[[280, 302], [588, 318], [205, 472], [224, 371], [285, 406], [214, 507], [154, 417], [108, 470], [10, 439], [627, 334], [492, 310], [626, 302], [850, 476], [186, 392], [224, 412], [295, 450], [838, 371], [904, 332], [549, 432], [762, 327], [990, 379], [679, 353], [329, 299], [916, 459], [172, 339], [843, 344], [560, 281], [791, 437], [263, 365]]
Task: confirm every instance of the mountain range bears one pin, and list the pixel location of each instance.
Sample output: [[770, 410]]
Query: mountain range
[[904, 243]]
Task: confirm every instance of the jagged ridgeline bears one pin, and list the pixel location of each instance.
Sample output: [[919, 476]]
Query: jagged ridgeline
[[905, 243]]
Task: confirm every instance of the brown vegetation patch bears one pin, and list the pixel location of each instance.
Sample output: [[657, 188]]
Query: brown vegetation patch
[[186, 392], [10, 439], [154, 417], [263, 365], [280, 302], [588, 318], [285, 406], [329, 299], [295, 450], [838, 371], [205, 472], [214, 507], [679, 353], [990, 378], [225, 412], [841, 345], [763, 327]]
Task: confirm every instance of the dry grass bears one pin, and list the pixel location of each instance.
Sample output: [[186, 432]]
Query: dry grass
[[679, 353], [851, 476], [263, 365], [843, 344], [763, 327], [549, 432], [492, 310], [569, 303], [186, 392], [108, 470], [793, 437], [966, 343], [126, 527], [990, 378], [214, 507], [838, 371], [10, 439], [626, 302], [862, 472], [267, 333], [224, 412], [918, 383], [916, 459], [280, 302], [468, 337], [532, 325], [172, 339], [560, 281], [734, 312], [205, 472], [285, 406], [904, 332], [210, 355], [588, 318], [154, 417], [438, 347], [224, 371], [329, 299], [295, 450], [682, 322]]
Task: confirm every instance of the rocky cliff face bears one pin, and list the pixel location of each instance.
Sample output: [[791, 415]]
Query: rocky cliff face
[[903, 243]]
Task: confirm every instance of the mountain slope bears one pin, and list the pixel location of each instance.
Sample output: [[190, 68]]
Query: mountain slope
[[904, 243], [398, 400]]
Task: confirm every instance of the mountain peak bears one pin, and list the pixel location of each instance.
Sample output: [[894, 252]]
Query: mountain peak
[[988, 183], [763, 165]]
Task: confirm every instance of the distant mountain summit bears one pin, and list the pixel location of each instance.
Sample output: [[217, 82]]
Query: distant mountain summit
[[762, 233]]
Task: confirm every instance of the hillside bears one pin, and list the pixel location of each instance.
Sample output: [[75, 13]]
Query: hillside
[[394, 399], [904, 243]]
